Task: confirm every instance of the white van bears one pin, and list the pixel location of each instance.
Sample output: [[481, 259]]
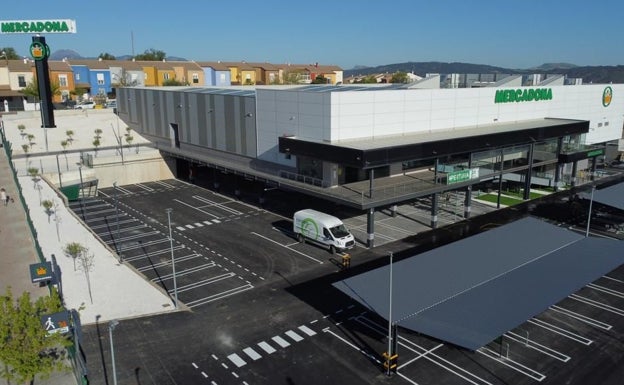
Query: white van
[[322, 229]]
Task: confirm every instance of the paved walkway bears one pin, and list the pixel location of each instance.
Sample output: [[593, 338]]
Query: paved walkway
[[116, 291]]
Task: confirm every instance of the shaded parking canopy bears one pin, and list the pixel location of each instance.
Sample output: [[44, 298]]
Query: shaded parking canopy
[[471, 291], [610, 196]]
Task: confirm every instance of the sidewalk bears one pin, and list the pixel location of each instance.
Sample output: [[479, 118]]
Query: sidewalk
[[117, 290]]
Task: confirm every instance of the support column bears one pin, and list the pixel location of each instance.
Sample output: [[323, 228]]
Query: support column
[[593, 168], [529, 172], [40, 52], [370, 227], [558, 166], [371, 177], [467, 202], [574, 171], [434, 210], [500, 179], [393, 211]]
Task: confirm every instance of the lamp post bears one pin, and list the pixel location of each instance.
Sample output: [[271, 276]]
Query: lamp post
[[591, 201], [80, 192], [111, 327], [389, 371], [117, 220], [175, 285]]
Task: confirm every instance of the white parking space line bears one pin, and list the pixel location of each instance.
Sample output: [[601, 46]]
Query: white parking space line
[[613, 279], [203, 282], [537, 347], [252, 354], [266, 347], [218, 296], [606, 290], [581, 317], [518, 367], [236, 360], [597, 304], [561, 331], [280, 341], [293, 250], [307, 330], [217, 205], [124, 191], [195, 208], [167, 185], [144, 187], [296, 337]]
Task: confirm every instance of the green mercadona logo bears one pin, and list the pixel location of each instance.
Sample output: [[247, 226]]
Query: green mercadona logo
[[523, 95], [39, 51]]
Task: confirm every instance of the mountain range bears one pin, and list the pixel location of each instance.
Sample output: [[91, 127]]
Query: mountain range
[[589, 74]]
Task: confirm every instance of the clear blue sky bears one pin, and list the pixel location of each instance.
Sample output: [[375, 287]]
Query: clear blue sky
[[512, 34]]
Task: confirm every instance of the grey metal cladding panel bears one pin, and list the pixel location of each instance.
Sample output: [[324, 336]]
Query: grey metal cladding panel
[[201, 119], [611, 196], [193, 111], [428, 278], [249, 133], [233, 127], [480, 315]]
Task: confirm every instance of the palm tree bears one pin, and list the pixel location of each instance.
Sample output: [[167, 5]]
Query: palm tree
[[47, 205]]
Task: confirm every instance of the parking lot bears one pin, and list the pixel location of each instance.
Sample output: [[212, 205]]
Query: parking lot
[[264, 311]]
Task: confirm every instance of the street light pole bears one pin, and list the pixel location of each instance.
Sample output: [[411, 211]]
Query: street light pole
[[111, 327], [389, 372], [591, 201], [175, 285], [117, 220]]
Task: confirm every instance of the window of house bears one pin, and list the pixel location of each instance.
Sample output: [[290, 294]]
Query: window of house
[[77, 77], [166, 76], [100, 79], [21, 81], [62, 80], [222, 77], [195, 78]]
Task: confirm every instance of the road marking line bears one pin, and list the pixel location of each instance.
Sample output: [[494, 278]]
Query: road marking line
[[224, 365], [235, 375], [252, 354], [204, 374], [194, 365], [216, 221], [280, 341], [294, 335], [277, 243], [266, 347], [314, 321], [236, 360], [307, 330], [198, 224], [190, 227], [207, 223], [215, 357]]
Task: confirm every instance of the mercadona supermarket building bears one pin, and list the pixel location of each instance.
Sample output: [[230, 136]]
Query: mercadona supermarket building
[[375, 147]]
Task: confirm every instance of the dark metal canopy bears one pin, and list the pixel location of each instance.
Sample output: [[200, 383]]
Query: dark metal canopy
[[384, 151], [472, 291]]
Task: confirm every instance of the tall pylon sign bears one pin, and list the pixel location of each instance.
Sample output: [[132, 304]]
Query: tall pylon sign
[[40, 52]]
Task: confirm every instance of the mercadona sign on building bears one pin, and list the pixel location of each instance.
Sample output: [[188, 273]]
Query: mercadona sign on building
[[37, 26]]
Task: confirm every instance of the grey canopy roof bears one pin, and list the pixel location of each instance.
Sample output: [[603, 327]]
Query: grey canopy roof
[[471, 291]]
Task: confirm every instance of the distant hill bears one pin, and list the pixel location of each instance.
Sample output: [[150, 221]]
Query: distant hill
[[70, 54], [589, 74]]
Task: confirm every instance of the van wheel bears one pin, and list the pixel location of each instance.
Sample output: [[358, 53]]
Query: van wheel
[[300, 238], [332, 249]]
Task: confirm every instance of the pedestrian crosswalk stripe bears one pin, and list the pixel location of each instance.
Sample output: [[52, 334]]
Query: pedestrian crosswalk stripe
[[294, 335], [236, 360], [216, 221], [266, 347], [252, 354], [208, 223], [198, 224], [190, 226], [280, 341], [307, 330], [180, 228]]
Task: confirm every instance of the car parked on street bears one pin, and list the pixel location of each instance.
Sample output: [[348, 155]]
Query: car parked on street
[[85, 105]]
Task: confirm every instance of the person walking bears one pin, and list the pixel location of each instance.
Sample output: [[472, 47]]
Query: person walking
[[3, 196]]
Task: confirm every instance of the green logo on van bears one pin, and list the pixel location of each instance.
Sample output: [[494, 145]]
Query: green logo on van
[[309, 228]]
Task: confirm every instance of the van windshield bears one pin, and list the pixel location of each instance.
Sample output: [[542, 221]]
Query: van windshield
[[339, 231]]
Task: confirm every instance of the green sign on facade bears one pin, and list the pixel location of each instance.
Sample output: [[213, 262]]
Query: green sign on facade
[[523, 95], [461, 175], [593, 153]]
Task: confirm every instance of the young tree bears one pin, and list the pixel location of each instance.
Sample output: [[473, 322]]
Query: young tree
[[69, 134], [34, 174], [96, 144], [85, 263], [399, 77], [21, 129], [31, 139], [98, 133], [64, 144], [47, 205], [32, 89], [73, 250], [26, 349], [9, 53]]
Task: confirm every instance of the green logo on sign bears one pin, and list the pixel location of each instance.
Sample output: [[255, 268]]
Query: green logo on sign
[[39, 51], [523, 95], [607, 95]]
